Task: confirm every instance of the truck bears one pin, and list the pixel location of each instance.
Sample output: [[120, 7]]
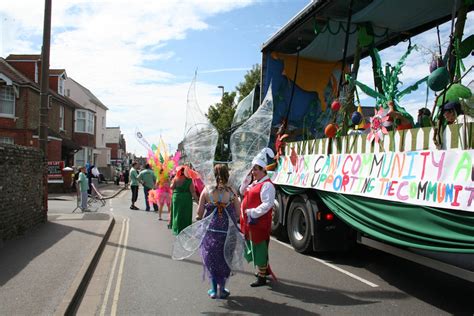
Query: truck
[[374, 178]]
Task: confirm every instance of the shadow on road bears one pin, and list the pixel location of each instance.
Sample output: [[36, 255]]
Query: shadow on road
[[254, 305], [438, 289]]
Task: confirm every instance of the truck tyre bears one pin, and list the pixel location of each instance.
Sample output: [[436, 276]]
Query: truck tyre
[[299, 226], [278, 230]]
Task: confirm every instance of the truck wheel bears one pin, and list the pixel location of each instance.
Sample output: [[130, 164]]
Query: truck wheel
[[299, 231], [278, 230]]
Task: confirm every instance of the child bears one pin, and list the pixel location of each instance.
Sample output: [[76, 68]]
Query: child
[[83, 184]]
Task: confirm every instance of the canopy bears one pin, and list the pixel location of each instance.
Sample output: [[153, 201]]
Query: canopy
[[319, 29]]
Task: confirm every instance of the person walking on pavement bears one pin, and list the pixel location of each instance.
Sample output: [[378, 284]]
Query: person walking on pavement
[[83, 184], [182, 200], [134, 185], [256, 215], [147, 179]]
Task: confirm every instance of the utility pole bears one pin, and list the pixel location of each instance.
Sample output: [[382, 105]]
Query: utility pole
[[44, 100]]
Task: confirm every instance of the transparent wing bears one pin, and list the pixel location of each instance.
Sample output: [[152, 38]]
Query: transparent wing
[[190, 238], [200, 138], [250, 138], [234, 247]]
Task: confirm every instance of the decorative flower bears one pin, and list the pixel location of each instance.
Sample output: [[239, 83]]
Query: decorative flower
[[377, 126]]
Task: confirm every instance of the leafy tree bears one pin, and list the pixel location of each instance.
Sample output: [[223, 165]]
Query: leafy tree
[[251, 79], [221, 115]]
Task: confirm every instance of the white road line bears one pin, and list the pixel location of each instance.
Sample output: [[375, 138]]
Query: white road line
[[112, 272], [352, 275], [120, 272], [110, 203]]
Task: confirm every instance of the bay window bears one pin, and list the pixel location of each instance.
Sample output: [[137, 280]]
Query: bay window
[[84, 122], [7, 101]]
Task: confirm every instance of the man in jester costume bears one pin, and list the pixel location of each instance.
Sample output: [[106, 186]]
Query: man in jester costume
[[256, 215]]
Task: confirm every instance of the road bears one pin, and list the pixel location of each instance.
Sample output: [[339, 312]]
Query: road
[[136, 276]]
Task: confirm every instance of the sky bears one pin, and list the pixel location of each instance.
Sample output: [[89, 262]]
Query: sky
[[139, 57]]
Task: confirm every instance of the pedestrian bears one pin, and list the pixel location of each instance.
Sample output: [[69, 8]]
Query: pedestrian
[[83, 185], [163, 194], [134, 185], [117, 176], [147, 179], [182, 199], [89, 178], [256, 215], [126, 175], [220, 206]]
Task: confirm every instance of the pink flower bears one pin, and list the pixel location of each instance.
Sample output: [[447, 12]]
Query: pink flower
[[377, 126]]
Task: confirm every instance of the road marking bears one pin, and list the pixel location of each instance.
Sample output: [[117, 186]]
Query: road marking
[[120, 272], [111, 207], [352, 275], [112, 272]]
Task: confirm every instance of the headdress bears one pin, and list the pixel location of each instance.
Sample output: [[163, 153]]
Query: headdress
[[261, 159]]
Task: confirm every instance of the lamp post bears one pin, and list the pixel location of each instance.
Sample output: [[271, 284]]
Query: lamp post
[[221, 87]]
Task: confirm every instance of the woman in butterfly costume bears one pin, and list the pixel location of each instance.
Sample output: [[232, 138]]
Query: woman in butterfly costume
[[215, 233]]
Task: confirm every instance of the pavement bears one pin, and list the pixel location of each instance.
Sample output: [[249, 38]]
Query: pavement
[[46, 271]]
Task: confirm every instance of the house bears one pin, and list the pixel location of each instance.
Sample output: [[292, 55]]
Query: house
[[20, 108], [99, 155], [116, 142]]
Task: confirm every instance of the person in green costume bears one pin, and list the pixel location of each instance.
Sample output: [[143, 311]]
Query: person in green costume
[[182, 201]]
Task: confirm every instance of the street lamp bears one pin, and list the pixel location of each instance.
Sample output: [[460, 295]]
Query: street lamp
[[221, 87]]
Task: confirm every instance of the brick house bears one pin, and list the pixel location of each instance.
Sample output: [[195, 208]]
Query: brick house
[[116, 143], [20, 104]]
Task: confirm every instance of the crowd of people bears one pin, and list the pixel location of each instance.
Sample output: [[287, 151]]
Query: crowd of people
[[224, 214]]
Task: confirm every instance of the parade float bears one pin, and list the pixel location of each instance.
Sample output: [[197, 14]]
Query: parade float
[[377, 175]]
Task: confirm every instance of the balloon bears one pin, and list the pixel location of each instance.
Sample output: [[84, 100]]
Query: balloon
[[330, 130], [335, 106], [356, 118], [439, 79]]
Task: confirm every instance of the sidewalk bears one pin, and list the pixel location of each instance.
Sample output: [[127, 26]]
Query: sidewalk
[[42, 272]]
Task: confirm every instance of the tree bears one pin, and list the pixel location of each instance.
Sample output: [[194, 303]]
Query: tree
[[221, 115], [251, 79]]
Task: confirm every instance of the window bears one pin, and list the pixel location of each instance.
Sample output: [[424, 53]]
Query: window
[[7, 140], [84, 122], [103, 121], [61, 85], [61, 117], [81, 121], [90, 122], [80, 157], [7, 101], [83, 156]]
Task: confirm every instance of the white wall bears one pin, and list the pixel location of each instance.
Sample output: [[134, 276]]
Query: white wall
[[77, 93]]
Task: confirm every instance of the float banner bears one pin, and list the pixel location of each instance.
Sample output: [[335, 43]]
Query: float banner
[[438, 178]]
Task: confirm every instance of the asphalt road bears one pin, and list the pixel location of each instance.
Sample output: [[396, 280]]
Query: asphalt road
[[137, 276]]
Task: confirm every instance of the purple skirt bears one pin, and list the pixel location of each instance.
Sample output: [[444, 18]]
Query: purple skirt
[[212, 247]]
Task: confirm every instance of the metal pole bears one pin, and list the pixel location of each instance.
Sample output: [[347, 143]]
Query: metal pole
[[43, 119]]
